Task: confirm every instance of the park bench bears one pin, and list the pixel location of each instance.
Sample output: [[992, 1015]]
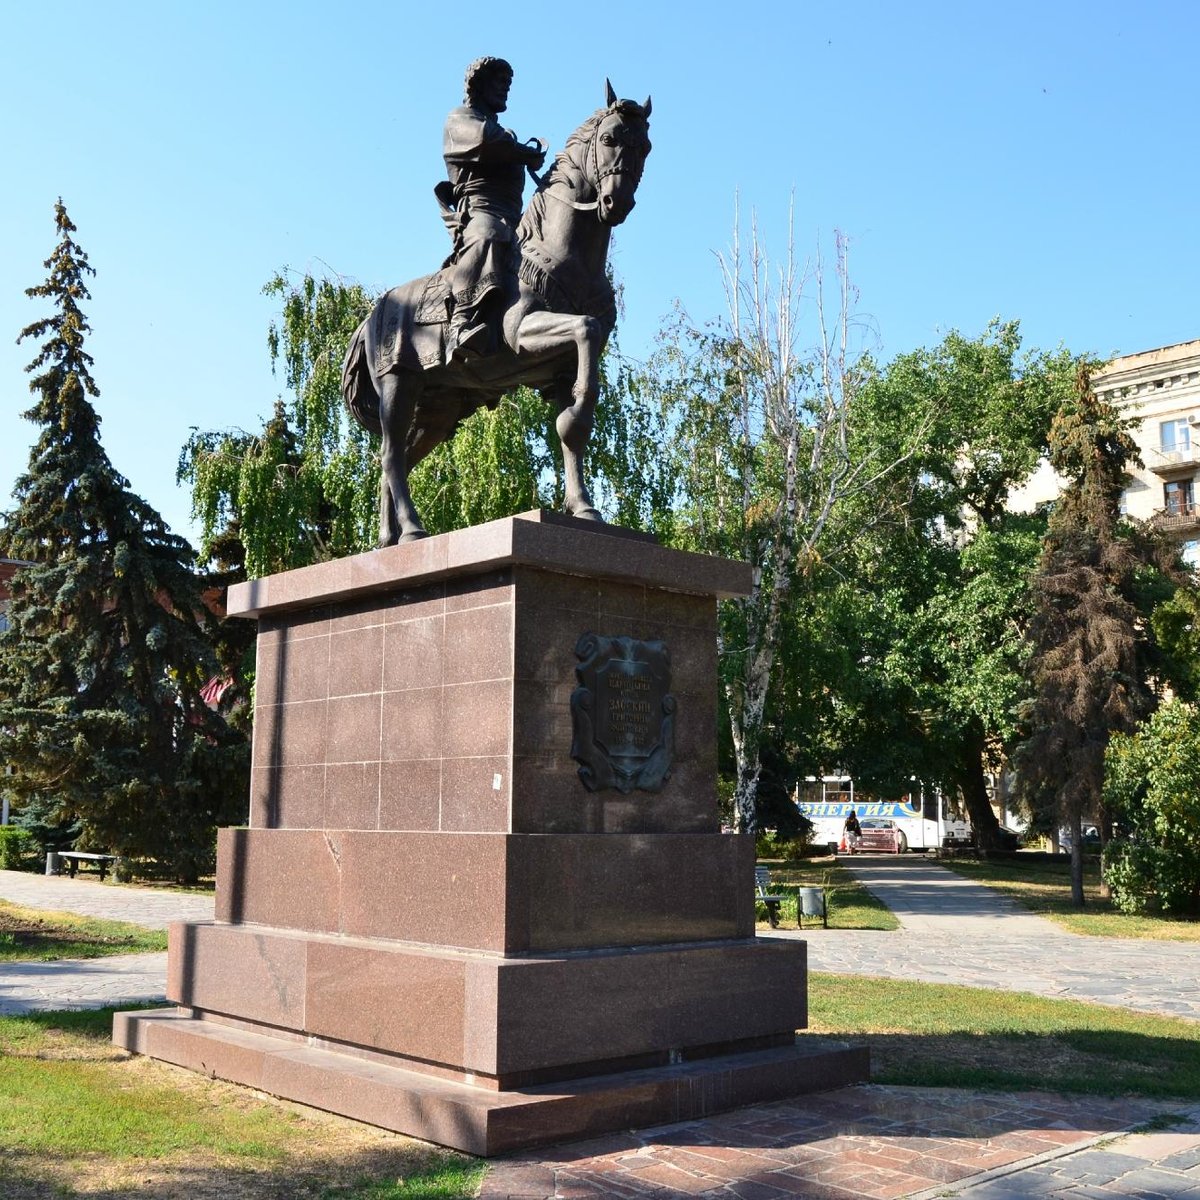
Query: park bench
[[74, 859], [762, 885]]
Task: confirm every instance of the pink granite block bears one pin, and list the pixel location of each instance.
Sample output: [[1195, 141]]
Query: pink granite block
[[287, 797], [173, 1036], [353, 729], [479, 644], [257, 976], [413, 725], [356, 661], [410, 794], [545, 641], [379, 570], [351, 796], [584, 892], [479, 590], [545, 591], [290, 734], [477, 719], [431, 888], [401, 1003], [621, 604], [252, 887], [414, 653], [475, 795]]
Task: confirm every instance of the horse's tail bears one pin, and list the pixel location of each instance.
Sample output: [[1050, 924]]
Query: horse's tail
[[358, 388]]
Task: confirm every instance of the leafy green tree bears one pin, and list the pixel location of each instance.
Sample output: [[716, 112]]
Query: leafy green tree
[[1175, 623], [103, 662], [1152, 788], [938, 603], [1089, 666], [305, 488]]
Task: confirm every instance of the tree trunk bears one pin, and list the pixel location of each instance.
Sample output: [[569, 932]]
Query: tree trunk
[[973, 784], [1105, 827], [1076, 824]]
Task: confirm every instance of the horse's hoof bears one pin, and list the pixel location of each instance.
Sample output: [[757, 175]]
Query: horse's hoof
[[587, 514], [414, 535]]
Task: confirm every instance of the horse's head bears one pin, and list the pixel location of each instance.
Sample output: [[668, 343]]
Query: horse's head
[[619, 146]]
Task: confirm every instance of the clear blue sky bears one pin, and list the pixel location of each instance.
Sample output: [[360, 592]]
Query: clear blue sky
[[1029, 160]]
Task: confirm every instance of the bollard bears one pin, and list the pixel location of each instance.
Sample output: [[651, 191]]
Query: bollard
[[51, 863]]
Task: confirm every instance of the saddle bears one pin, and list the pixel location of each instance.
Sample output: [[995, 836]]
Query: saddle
[[434, 305]]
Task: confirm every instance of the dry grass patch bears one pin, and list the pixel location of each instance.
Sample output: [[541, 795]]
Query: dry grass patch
[[81, 1118], [33, 934]]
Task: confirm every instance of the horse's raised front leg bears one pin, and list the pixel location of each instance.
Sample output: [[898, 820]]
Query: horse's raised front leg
[[543, 334], [398, 519]]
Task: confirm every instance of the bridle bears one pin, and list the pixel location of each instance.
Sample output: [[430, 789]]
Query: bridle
[[595, 177]]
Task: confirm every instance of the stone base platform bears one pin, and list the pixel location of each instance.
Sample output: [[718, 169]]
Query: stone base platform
[[479, 1120]]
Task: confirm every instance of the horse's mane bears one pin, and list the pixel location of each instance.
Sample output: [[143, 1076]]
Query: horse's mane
[[568, 166]]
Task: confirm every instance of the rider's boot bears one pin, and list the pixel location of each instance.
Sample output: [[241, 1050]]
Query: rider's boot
[[468, 335]]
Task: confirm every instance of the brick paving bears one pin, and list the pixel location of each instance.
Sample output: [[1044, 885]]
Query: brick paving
[[878, 1142]]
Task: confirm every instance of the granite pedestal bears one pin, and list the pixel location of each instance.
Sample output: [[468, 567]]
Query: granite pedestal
[[431, 922]]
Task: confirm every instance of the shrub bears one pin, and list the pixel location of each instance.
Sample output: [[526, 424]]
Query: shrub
[[18, 850], [1152, 788], [771, 844]]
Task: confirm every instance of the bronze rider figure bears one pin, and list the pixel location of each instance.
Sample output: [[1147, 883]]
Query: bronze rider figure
[[482, 206]]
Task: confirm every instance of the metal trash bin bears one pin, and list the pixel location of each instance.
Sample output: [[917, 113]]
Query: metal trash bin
[[52, 862], [812, 904]]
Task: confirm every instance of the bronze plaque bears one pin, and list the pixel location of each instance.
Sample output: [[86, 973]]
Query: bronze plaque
[[623, 714]]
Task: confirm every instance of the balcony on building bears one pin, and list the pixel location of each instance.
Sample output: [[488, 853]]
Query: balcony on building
[[1178, 461], [1179, 518]]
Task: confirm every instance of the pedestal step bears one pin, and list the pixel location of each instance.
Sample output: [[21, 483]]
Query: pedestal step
[[480, 1120]]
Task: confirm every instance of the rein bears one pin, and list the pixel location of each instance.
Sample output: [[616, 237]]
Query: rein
[[544, 188], [543, 181]]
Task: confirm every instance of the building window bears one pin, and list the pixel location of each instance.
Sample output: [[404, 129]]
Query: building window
[[1177, 496], [1175, 435], [1190, 553], [3, 615]]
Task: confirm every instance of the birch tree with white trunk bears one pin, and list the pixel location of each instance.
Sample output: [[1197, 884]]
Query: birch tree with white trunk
[[774, 462]]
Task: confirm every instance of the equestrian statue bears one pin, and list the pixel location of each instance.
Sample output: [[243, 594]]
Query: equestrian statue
[[523, 298]]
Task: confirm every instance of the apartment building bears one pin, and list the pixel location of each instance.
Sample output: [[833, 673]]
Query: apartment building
[[1162, 389]]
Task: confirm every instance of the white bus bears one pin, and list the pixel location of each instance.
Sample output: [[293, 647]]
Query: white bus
[[923, 817]]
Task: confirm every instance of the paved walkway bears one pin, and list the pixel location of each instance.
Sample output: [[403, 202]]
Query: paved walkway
[[867, 1141], [96, 982], [155, 908], [957, 931]]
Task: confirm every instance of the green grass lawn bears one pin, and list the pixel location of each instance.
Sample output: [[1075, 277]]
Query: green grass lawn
[[37, 935], [1044, 887], [945, 1036], [79, 1116], [850, 905]]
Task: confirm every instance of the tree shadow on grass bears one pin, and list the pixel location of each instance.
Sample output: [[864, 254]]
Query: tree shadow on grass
[[1073, 1060], [406, 1171]]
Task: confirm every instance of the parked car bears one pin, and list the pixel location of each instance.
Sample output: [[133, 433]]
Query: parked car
[[1091, 839], [880, 833]]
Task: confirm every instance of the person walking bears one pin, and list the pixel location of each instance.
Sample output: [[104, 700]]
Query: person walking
[[852, 831]]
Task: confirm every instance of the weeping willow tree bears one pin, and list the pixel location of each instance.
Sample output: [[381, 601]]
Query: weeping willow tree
[[305, 487]]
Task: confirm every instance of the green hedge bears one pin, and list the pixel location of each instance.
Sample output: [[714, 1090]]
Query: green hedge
[[18, 850]]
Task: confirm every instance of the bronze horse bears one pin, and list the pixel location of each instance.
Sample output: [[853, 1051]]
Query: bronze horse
[[556, 323]]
